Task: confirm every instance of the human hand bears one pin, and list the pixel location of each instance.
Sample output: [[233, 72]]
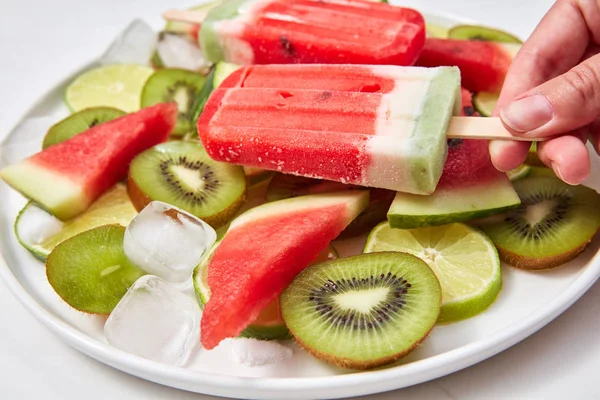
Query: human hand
[[553, 88]]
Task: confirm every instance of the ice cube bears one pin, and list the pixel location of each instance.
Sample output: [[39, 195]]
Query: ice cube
[[254, 352], [155, 321], [178, 52], [134, 45], [168, 242]]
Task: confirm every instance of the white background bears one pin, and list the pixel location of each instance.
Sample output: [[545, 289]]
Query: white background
[[42, 41]]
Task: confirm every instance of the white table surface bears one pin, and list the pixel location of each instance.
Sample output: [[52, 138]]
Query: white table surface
[[42, 41]]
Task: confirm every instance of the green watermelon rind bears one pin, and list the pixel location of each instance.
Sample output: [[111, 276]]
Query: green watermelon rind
[[452, 205], [357, 201]]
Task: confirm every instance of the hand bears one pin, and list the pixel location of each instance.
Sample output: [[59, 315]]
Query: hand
[[553, 88]]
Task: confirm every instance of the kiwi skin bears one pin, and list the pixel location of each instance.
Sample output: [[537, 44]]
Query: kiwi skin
[[139, 199], [349, 363], [541, 263]]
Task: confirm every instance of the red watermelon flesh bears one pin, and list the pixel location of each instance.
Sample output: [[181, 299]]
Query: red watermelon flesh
[[483, 65], [468, 161], [468, 110], [263, 251], [380, 33], [67, 177]]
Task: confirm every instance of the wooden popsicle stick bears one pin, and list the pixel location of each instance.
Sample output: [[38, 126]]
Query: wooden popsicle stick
[[192, 17], [489, 128]]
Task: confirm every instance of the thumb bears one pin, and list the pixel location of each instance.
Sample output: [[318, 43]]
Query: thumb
[[563, 104]]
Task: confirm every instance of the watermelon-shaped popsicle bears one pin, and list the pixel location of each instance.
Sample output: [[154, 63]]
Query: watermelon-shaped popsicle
[[263, 251], [470, 187], [67, 177], [377, 126], [312, 31]]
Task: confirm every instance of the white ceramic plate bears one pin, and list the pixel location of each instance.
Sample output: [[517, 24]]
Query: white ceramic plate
[[527, 302]]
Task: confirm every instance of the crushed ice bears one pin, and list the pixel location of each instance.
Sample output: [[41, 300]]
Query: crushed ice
[[135, 45], [37, 225], [178, 52], [254, 352]]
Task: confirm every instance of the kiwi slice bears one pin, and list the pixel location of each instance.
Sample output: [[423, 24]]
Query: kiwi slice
[[541, 172], [364, 311], [554, 223], [90, 271], [477, 32], [79, 122], [182, 174], [172, 84], [283, 186]]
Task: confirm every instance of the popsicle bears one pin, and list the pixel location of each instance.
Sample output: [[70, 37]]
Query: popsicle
[[308, 31], [370, 125]]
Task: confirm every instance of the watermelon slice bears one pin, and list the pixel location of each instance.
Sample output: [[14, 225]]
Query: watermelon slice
[[483, 65], [67, 177], [470, 187], [263, 251]]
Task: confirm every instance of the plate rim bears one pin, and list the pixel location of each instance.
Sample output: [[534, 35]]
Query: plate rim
[[338, 386]]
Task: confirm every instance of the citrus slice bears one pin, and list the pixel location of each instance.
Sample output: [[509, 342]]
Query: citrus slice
[[485, 102], [436, 31], [464, 260], [521, 171], [118, 85], [39, 232]]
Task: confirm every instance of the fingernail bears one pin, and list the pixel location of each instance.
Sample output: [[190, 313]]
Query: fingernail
[[558, 173], [527, 114]]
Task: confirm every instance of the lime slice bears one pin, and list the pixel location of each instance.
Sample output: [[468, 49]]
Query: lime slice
[[436, 31], [485, 102], [118, 85], [464, 260], [39, 233], [520, 172]]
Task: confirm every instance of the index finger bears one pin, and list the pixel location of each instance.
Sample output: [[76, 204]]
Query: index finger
[[555, 46]]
